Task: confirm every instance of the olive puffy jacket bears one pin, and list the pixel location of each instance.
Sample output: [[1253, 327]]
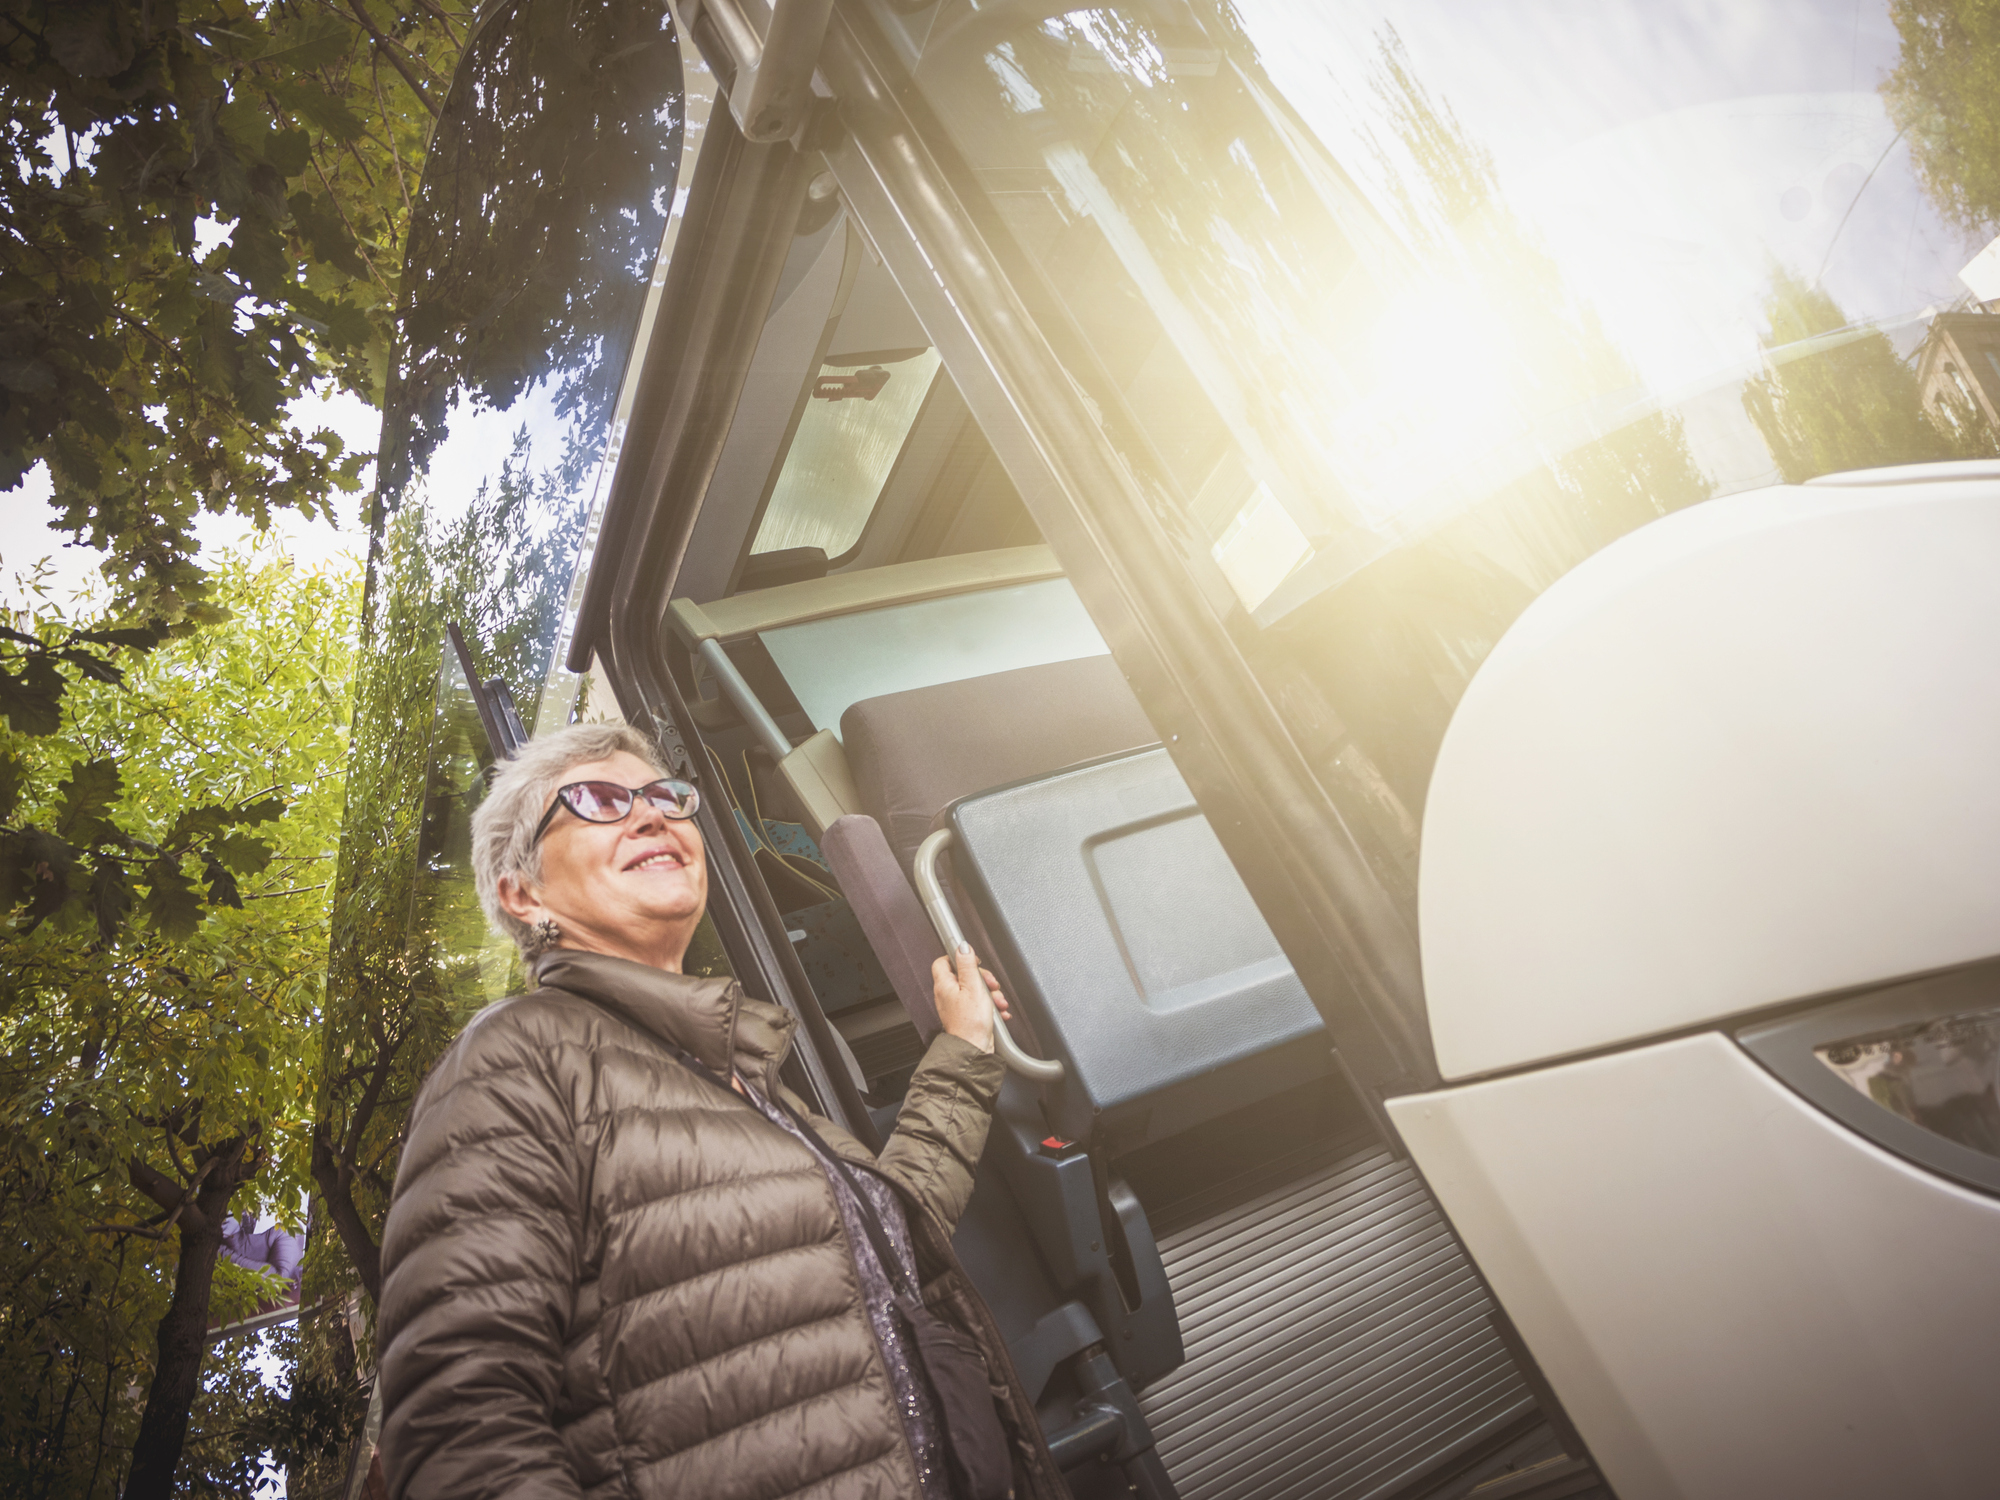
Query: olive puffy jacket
[[604, 1276]]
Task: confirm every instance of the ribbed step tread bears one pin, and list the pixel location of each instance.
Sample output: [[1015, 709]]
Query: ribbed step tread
[[1337, 1341]]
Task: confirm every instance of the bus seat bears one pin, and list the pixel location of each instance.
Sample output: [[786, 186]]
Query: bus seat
[[1135, 950], [873, 633], [909, 754], [913, 752], [1118, 923]]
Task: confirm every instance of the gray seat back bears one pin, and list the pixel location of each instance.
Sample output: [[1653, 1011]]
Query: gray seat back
[[913, 752], [891, 917], [1135, 949]]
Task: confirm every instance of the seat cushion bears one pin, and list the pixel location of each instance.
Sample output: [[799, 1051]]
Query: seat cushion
[[913, 752]]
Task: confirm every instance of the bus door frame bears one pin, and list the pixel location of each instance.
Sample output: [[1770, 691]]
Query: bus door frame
[[742, 206], [995, 324], [1338, 924], [997, 327], [993, 320]]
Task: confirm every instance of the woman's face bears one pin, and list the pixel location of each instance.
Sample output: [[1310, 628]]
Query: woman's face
[[635, 888]]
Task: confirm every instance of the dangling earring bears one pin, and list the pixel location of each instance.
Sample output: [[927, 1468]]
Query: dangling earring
[[545, 936]]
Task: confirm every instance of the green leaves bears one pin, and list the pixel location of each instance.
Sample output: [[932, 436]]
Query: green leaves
[[151, 1003], [35, 869], [318, 224], [1942, 95], [172, 907], [31, 695], [222, 890], [314, 41], [1850, 404], [129, 638], [140, 967], [212, 823], [12, 778], [232, 855], [86, 796], [240, 853], [39, 866], [91, 38], [154, 386], [308, 102], [110, 898], [31, 680]]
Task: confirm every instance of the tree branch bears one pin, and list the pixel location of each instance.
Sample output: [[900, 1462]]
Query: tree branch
[[347, 1221], [389, 132], [164, 1191], [298, 890], [442, 19], [371, 1096], [139, 1229], [341, 209], [394, 53]]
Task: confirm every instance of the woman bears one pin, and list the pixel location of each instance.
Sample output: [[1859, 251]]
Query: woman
[[622, 1259]]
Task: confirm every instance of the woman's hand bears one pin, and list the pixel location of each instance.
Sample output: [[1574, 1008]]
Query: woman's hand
[[960, 988]]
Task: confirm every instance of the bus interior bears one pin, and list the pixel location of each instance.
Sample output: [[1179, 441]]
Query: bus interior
[[1216, 1276]]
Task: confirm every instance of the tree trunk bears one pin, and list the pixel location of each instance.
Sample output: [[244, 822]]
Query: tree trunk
[[183, 1343], [337, 1197], [182, 1337]]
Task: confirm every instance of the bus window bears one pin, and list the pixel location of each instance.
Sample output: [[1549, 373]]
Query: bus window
[[1408, 309], [858, 413]]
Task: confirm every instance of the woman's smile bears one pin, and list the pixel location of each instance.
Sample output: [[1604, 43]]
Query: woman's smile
[[655, 859]]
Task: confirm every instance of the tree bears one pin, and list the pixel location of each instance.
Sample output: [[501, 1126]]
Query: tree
[[1945, 95], [202, 218], [159, 1053], [411, 943], [545, 194], [1836, 397]]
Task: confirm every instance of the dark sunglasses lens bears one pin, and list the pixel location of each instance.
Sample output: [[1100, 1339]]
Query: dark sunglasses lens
[[597, 801], [674, 799]]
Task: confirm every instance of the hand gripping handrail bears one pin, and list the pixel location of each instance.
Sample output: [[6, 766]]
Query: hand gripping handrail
[[945, 920]]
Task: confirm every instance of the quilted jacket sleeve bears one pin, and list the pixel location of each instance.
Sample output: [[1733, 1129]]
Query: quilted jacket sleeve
[[479, 1273], [941, 1129]]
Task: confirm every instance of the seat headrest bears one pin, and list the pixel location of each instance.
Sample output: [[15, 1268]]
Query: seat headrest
[[913, 752]]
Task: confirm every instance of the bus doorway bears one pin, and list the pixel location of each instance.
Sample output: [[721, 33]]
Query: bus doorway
[[1119, 482], [1218, 1273]]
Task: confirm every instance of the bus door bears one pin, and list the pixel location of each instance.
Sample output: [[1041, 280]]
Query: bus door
[[853, 583]]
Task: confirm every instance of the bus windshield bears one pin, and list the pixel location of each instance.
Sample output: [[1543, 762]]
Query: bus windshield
[[1412, 305]]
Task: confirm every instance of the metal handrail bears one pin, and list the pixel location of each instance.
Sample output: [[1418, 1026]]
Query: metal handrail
[[736, 688], [945, 920]]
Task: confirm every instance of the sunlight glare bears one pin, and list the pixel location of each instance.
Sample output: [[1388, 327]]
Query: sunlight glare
[[1441, 394]]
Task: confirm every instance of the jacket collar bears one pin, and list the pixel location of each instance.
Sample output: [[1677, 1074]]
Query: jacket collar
[[712, 1019]]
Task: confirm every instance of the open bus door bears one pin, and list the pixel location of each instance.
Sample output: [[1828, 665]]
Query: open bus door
[[1068, 465], [844, 568]]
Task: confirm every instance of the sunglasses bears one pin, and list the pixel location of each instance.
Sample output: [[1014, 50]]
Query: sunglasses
[[608, 802]]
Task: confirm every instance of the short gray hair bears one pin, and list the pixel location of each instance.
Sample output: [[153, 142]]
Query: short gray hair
[[503, 826]]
